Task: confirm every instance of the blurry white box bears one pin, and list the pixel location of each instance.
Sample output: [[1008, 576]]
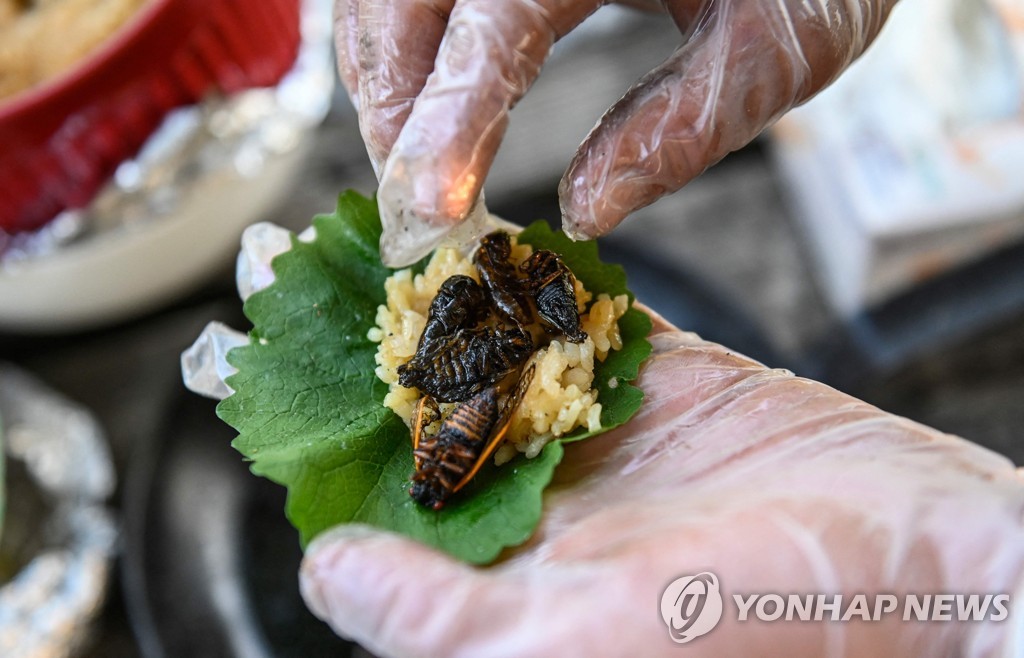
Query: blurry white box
[[913, 162]]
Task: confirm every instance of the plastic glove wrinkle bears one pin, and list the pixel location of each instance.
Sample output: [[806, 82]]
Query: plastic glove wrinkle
[[397, 45], [346, 44], [744, 65], [489, 57], [839, 496]]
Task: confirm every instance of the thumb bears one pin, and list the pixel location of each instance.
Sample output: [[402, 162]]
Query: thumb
[[745, 65], [396, 597], [392, 595]]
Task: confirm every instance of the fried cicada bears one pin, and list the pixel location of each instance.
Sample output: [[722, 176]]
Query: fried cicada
[[456, 367], [477, 335], [499, 277], [552, 286], [460, 302], [448, 460]]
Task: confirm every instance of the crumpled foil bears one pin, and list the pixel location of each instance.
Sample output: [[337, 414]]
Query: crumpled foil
[[234, 136], [204, 365], [47, 607]]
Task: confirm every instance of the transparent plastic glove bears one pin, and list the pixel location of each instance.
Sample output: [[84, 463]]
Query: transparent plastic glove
[[434, 82], [772, 482]]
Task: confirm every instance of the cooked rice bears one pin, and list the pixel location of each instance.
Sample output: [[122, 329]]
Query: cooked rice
[[559, 399]]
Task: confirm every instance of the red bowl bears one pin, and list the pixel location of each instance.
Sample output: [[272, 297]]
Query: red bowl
[[60, 141]]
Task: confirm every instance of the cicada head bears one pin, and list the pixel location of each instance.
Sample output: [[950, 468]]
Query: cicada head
[[428, 492]]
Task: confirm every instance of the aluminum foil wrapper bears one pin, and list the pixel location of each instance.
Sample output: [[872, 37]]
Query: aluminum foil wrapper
[[47, 607]]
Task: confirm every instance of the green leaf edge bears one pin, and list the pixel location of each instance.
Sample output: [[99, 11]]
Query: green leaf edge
[[634, 326], [351, 216]]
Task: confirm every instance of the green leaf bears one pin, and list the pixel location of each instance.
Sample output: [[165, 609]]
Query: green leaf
[[308, 407], [619, 401]]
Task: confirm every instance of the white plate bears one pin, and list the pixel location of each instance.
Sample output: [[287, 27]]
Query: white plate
[[174, 214], [128, 271]]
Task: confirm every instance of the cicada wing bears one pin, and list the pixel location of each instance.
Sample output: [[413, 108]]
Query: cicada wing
[[515, 398], [505, 420], [426, 413]]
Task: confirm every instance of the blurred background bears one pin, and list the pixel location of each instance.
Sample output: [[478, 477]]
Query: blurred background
[[873, 239]]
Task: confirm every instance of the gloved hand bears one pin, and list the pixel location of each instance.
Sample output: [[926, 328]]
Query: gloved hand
[[434, 83], [775, 484]]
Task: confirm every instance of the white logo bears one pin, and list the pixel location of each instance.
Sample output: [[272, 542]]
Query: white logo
[[691, 606]]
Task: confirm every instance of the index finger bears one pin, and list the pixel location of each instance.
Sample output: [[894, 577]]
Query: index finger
[[396, 48], [490, 55]]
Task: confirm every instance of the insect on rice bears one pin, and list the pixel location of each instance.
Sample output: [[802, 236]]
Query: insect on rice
[[559, 397]]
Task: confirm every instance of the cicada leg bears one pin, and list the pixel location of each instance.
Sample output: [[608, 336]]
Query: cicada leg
[[537, 261], [549, 279]]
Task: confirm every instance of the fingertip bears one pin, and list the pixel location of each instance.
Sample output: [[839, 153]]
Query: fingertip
[[413, 224], [575, 223], [489, 56], [377, 588], [592, 204], [357, 567], [747, 65], [330, 566]]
